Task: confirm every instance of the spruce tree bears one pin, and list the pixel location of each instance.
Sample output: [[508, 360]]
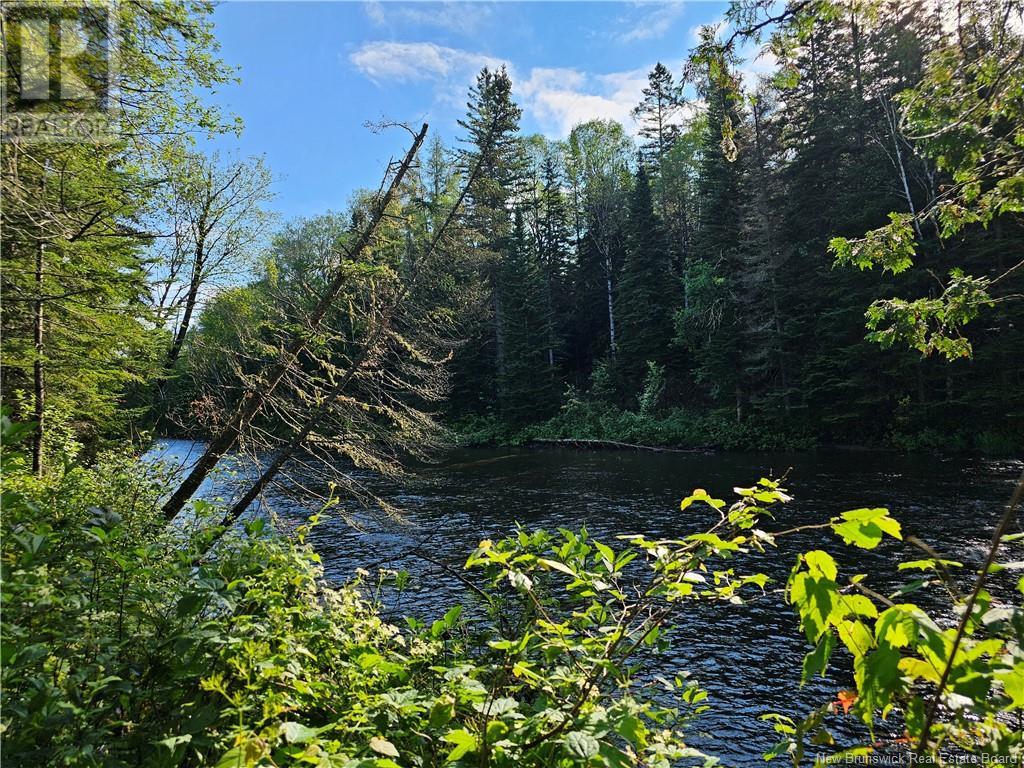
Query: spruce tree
[[554, 240], [708, 323], [657, 115], [646, 296], [526, 383], [491, 125]]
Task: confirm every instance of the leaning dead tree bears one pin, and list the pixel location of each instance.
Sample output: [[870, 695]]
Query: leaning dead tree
[[260, 393], [375, 399]]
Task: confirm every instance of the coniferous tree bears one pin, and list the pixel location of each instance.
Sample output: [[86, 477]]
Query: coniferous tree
[[491, 125], [709, 322], [554, 242], [526, 383], [658, 115], [761, 317], [646, 297]]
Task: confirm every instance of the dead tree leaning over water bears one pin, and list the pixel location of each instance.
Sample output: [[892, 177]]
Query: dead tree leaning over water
[[254, 399]]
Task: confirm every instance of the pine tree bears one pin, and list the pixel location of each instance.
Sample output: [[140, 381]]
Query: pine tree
[[527, 386], [646, 297], [491, 125]]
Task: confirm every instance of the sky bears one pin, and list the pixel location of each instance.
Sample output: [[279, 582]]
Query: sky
[[314, 73]]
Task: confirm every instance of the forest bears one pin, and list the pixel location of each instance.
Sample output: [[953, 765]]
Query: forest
[[822, 256]]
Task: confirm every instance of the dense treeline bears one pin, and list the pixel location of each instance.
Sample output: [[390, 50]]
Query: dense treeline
[[678, 287], [696, 260]]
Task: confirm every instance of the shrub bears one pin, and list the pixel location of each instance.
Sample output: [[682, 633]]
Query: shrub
[[128, 643]]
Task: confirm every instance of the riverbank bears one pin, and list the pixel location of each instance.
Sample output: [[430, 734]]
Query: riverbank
[[587, 424]]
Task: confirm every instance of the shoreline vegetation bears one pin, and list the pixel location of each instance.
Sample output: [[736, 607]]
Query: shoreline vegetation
[[603, 427], [131, 643]]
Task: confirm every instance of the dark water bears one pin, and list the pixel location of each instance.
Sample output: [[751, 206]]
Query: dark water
[[749, 656]]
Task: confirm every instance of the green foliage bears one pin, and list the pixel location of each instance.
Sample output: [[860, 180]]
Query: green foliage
[[963, 116], [124, 644], [79, 335], [646, 293], [588, 419], [931, 325], [903, 659], [654, 387]]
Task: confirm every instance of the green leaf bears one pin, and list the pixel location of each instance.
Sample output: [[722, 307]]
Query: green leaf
[[383, 746], [1013, 685], [233, 758], [816, 662], [606, 553], [495, 730], [172, 742], [555, 565], [297, 733], [464, 742], [581, 744], [441, 713], [701, 495], [820, 563], [864, 528]]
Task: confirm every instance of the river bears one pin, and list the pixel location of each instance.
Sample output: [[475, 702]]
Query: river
[[748, 657]]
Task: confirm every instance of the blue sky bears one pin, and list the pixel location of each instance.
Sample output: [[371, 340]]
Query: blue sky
[[313, 73]]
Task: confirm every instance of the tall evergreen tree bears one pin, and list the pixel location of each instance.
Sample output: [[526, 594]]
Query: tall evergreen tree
[[709, 323], [527, 385], [491, 125], [554, 242], [646, 297], [657, 115]]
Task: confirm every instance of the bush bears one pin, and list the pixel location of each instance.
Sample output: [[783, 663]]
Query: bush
[[128, 643], [581, 419]]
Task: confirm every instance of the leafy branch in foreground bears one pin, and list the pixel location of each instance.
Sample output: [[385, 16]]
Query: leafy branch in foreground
[[964, 117], [959, 689], [119, 650]]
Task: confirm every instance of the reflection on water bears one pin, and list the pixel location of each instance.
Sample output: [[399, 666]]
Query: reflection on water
[[749, 657]]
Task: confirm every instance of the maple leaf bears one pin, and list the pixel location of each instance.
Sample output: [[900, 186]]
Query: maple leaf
[[846, 699]]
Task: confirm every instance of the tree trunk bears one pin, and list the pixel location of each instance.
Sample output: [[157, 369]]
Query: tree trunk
[[254, 400], [893, 125], [611, 304], [179, 337], [38, 384], [317, 414]]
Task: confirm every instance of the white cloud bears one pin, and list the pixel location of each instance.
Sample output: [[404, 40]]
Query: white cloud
[[654, 24], [375, 12], [408, 62], [463, 17], [557, 98]]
